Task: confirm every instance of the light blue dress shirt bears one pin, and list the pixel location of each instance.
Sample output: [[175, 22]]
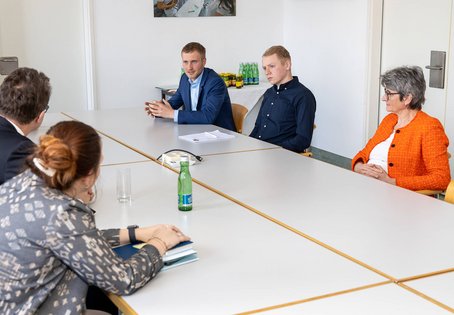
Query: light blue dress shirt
[[195, 89]]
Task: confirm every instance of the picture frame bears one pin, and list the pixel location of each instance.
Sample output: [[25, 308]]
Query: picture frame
[[194, 8]]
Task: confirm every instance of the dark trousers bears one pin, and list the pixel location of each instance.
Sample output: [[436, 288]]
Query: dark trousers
[[98, 300]]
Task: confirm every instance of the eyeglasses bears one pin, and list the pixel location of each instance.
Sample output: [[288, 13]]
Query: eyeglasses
[[46, 109], [388, 93]]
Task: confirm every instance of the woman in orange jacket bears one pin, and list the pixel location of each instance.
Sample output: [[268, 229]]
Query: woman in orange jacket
[[409, 148]]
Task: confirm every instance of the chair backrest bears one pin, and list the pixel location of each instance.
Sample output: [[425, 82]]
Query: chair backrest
[[239, 112], [435, 193], [449, 195]]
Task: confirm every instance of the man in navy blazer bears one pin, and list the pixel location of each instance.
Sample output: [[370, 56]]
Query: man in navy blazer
[[24, 96], [201, 92]]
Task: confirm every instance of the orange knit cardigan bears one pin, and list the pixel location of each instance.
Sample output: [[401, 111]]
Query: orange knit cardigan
[[418, 155]]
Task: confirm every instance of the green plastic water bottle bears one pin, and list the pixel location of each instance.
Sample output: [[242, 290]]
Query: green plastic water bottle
[[184, 185], [246, 74], [255, 73]]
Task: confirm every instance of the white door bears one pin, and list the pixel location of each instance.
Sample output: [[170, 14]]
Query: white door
[[48, 35], [411, 29]]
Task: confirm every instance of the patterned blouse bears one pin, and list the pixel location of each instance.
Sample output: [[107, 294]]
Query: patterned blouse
[[50, 250]]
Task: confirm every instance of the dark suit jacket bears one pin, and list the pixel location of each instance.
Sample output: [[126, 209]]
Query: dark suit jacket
[[14, 148], [213, 106]]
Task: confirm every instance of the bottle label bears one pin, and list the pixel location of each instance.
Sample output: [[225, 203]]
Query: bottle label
[[185, 200]]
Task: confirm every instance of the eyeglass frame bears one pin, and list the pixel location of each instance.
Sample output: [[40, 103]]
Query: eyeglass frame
[[46, 109], [388, 93]]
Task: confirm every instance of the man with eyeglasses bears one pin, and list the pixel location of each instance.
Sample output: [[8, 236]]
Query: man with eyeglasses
[[409, 148], [24, 98]]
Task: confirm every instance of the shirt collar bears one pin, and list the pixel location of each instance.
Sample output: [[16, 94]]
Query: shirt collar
[[15, 126], [286, 84]]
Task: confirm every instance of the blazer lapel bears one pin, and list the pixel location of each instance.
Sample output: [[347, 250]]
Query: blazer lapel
[[199, 101], [202, 85], [187, 105]]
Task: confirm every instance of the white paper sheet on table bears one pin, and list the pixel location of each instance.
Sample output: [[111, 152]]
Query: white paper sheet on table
[[207, 136]]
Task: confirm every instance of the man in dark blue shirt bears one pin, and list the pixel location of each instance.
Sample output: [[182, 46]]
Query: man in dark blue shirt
[[286, 117]]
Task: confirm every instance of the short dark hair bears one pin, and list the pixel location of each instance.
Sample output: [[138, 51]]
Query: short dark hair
[[194, 46], [24, 94], [72, 149], [280, 51], [406, 80]]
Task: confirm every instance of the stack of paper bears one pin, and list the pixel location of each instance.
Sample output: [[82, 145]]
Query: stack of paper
[[207, 136], [173, 158], [181, 254]]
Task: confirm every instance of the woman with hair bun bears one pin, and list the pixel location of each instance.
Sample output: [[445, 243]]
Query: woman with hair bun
[[50, 248]]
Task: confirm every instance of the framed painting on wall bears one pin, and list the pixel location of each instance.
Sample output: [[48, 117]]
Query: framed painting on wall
[[194, 8]]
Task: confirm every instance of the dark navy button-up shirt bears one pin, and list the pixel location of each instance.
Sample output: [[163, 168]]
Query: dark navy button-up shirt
[[286, 117]]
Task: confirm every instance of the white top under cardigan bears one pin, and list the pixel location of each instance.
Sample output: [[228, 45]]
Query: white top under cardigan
[[379, 154]]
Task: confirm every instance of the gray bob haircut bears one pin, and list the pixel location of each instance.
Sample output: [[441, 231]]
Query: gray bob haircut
[[406, 80]]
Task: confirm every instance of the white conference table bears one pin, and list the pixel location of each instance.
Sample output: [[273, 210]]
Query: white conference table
[[394, 230], [249, 95], [439, 287], [385, 299], [113, 152], [246, 262], [154, 136]]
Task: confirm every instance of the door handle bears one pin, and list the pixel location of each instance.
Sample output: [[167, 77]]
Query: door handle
[[8, 59], [437, 69], [434, 67]]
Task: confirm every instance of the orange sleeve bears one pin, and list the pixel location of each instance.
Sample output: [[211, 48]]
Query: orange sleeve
[[435, 160]]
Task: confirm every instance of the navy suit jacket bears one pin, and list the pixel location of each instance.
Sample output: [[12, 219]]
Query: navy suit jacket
[[213, 106], [14, 149]]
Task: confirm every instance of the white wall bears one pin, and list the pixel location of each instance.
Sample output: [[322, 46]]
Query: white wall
[[134, 52], [48, 35], [328, 41]]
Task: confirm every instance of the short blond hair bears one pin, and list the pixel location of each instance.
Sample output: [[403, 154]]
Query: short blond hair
[[194, 46], [279, 51]]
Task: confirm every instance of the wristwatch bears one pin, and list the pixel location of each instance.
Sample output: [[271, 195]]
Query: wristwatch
[[132, 233]]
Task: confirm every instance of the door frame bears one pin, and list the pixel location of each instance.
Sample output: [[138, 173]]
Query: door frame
[[89, 55], [375, 31]]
